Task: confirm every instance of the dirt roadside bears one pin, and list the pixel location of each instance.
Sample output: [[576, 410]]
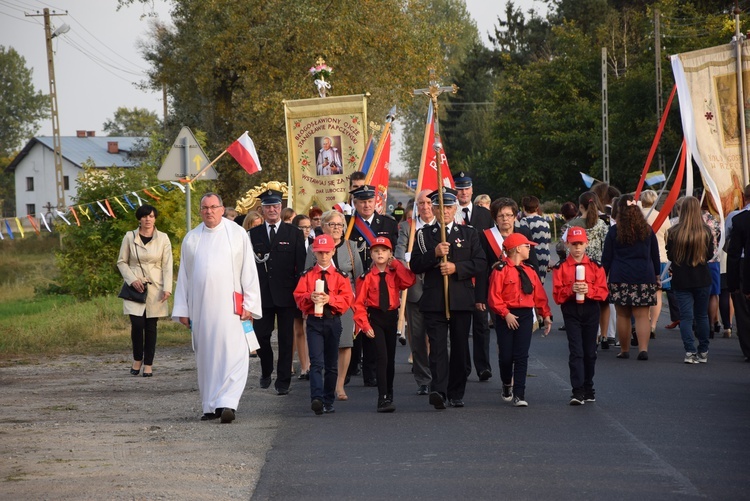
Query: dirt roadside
[[81, 427]]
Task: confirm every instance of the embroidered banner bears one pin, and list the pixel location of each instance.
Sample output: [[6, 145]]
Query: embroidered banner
[[707, 86], [325, 141]]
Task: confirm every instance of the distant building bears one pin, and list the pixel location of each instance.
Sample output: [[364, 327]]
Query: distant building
[[34, 166]]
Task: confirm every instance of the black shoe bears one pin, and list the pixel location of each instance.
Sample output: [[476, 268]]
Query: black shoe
[[605, 343], [485, 375], [561, 328], [147, 374], [577, 399], [588, 395], [282, 391], [623, 354], [227, 415], [328, 409], [317, 406], [507, 393], [653, 334], [423, 390], [135, 372], [437, 400], [265, 382], [209, 416], [385, 404], [457, 402], [633, 338], [643, 355], [402, 340], [304, 376], [371, 382]]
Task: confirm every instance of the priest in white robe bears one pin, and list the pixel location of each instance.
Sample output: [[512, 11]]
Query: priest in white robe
[[217, 261]]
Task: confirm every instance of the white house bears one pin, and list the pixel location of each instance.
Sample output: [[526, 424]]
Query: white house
[[34, 166]]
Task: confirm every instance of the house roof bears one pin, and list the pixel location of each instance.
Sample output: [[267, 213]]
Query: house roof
[[78, 150]]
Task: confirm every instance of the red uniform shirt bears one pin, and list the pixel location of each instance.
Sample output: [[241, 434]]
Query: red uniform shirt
[[564, 275], [398, 277], [340, 295], [506, 293]]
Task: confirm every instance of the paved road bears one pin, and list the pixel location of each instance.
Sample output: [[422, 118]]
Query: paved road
[[659, 429]]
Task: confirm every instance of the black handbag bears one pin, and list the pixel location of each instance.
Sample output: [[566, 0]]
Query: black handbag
[[128, 292]]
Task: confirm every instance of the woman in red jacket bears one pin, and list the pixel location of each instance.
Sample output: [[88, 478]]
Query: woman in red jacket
[[515, 290], [376, 312], [579, 285]]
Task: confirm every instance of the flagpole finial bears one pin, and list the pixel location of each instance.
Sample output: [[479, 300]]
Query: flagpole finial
[[321, 73]]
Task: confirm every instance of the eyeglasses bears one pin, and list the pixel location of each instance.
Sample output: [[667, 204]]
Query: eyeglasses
[[506, 216], [335, 225], [210, 208]]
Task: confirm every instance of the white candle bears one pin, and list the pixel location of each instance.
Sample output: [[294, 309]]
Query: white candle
[[319, 287], [580, 278]]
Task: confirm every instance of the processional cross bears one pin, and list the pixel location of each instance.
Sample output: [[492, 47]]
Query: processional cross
[[433, 91]]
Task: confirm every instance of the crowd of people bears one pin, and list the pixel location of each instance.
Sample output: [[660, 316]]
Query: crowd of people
[[331, 285]]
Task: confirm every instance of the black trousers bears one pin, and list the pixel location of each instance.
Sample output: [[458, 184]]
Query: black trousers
[[385, 325], [581, 326], [284, 318], [448, 370], [364, 352], [143, 336], [480, 338], [513, 349], [742, 315]]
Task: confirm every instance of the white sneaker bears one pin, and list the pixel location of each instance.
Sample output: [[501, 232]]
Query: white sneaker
[[519, 402], [691, 358], [702, 357]]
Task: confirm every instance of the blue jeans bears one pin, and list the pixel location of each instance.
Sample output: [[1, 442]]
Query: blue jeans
[[693, 304], [323, 344]]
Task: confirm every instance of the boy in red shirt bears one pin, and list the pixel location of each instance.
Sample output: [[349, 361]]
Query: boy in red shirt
[[376, 312], [579, 301], [515, 291], [323, 328]]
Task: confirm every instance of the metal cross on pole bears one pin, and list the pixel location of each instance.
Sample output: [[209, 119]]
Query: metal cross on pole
[[433, 91]]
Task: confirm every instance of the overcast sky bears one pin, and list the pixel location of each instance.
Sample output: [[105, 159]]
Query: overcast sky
[[97, 63]]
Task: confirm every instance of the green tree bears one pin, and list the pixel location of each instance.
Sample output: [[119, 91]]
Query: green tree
[[21, 107], [132, 122]]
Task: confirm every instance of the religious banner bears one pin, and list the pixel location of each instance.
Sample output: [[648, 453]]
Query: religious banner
[[325, 140], [707, 86]]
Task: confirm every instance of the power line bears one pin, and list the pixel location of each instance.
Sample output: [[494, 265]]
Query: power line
[[105, 45]]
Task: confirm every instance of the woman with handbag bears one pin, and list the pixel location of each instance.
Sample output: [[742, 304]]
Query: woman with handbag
[[145, 263]]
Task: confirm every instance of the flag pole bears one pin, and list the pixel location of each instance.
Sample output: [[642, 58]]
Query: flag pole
[[390, 117], [738, 40], [189, 180]]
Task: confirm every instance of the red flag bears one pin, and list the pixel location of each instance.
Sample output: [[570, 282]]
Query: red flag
[[381, 174], [428, 166], [243, 150]]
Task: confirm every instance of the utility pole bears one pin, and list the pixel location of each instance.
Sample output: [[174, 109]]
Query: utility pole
[[49, 35], [605, 120], [659, 101]]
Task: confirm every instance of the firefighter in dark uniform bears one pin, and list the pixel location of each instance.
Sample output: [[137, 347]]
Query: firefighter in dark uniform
[[466, 260], [368, 224], [279, 250]]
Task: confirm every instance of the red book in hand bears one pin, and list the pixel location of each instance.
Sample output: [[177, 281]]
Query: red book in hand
[[238, 303]]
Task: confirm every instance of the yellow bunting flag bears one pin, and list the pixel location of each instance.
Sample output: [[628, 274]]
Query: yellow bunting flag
[[121, 204], [85, 212], [20, 228]]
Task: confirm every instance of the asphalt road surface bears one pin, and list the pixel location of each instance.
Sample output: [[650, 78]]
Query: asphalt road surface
[[659, 429]]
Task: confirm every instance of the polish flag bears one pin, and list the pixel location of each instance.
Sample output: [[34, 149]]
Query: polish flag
[[243, 150]]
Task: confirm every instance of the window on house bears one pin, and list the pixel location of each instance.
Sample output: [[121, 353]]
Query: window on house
[[29, 184], [66, 183], [31, 209]]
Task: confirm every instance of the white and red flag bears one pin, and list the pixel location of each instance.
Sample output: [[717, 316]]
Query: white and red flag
[[381, 172], [243, 150], [428, 166]]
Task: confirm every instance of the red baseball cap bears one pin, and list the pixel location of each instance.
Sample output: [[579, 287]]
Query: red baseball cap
[[515, 239], [323, 243], [385, 242], [577, 234]]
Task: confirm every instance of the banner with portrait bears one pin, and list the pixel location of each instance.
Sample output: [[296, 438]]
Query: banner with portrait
[[707, 87], [326, 138]]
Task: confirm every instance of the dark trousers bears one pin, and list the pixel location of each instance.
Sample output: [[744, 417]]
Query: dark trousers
[[513, 349], [724, 310], [674, 310], [418, 342], [480, 338], [581, 326], [323, 336], [385, 325], [363, 352], [143, 335], [284, 318], [448, 371], [742, 316]]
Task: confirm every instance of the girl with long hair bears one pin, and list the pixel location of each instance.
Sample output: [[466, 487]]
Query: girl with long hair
[[631, 260], [690, 246]]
